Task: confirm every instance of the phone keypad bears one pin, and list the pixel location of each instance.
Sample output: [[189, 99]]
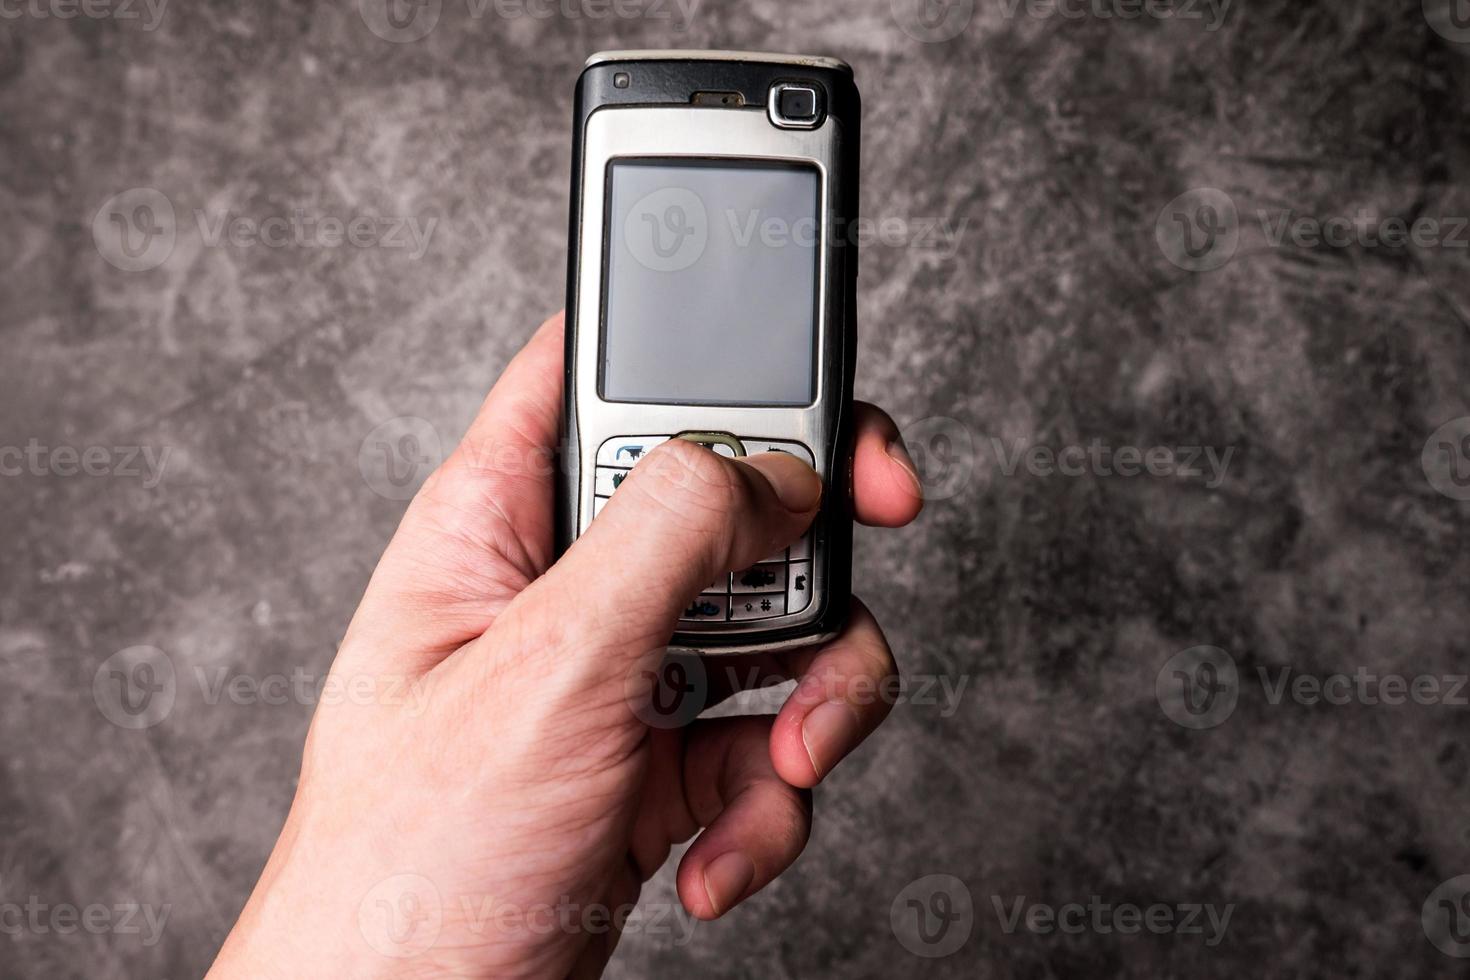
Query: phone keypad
[[763, 606], [756, 446], [706, 609], [801, 550], [765, 577], [798, 586], [624, 451], [779, 585]]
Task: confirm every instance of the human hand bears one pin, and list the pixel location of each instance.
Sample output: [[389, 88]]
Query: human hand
[[519, 775]]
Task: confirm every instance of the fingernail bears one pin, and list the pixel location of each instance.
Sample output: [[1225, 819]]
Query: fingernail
[[725, 880], [899, 453], [829, 733], [796, 484]]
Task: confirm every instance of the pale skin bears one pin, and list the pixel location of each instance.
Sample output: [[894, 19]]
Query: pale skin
[[515, 774]]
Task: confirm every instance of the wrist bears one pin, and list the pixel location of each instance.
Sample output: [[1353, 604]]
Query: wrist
[[302, 925]]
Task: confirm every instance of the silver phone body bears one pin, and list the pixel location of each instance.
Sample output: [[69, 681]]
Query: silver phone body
[[601, 431]]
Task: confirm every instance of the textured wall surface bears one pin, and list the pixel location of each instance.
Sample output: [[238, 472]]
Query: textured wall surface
[[1036, 290]]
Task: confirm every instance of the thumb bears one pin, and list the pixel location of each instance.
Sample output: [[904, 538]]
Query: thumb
[[683, 516]]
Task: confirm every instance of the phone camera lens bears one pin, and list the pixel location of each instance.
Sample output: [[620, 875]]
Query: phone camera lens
[[798, 104], [795, 105]]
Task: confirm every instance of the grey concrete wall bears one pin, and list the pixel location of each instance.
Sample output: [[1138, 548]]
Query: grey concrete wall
[[1052, 305]]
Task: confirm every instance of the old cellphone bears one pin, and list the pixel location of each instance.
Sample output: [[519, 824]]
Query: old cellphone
[[711, 296]]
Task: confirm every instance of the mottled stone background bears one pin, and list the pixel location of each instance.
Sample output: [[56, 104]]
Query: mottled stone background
[[1050, 146]]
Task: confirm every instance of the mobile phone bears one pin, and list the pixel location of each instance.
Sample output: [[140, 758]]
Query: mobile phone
[[711, 296]]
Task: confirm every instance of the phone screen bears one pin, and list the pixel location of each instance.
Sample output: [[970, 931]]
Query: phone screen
[[710, 283]]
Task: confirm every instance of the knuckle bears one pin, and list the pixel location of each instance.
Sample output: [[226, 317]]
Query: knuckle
[[877, 684], [792, 823], [877, 663]]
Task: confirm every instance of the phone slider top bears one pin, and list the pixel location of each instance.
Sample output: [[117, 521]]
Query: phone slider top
[[691, 54], [625, 451]]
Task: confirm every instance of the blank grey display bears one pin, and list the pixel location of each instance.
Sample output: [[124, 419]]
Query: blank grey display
[[711, 286]]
